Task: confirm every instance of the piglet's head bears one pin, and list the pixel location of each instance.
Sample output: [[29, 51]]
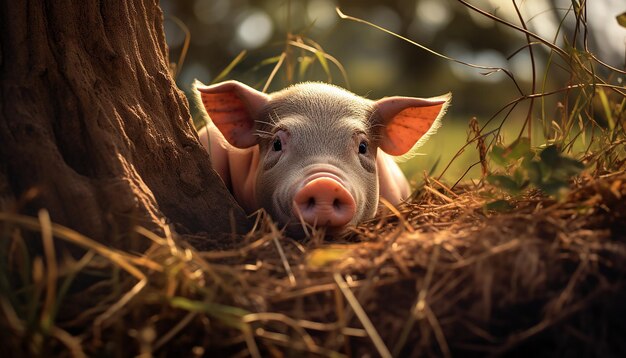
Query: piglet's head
[[318, 145]]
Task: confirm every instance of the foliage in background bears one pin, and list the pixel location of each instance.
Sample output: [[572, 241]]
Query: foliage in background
[[546, 169], [586, 123], [575, 104]]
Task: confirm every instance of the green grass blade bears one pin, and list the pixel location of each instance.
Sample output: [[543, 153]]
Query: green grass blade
[[324, 63], [229, 315], [305, 63], [607, 108], [267, 61], [230, 67]]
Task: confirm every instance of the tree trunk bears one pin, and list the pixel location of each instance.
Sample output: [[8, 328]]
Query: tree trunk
[[92, 127]]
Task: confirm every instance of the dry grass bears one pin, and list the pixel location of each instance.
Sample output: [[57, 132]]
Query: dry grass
[[438, 277]]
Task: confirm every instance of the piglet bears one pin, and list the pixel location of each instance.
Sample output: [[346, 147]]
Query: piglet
[[313, 152]]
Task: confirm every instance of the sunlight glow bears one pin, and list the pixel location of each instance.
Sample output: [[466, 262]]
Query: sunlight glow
[[432, 14], [322, 12], [254, 30]]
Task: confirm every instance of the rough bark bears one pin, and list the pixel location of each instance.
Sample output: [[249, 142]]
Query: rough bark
[[92, 126]]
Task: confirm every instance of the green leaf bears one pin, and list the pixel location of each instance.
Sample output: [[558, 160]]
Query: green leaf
[[230, 67], [550, 155], [533, 170], [556, 166], [518, 176], [499, 206], [567, 168], [621, 19], [550, 171], [497, 156], [504, 182], [518, 149], [554, 187], [546, 170], [574, 166], [327, 255]]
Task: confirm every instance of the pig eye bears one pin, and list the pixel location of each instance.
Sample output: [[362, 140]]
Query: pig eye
[[278, 145], [363, 147]]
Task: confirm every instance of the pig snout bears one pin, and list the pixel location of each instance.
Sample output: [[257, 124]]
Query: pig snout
[[324, 201]]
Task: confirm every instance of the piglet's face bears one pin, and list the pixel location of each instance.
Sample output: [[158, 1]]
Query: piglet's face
[[318, 145], [318, 157]]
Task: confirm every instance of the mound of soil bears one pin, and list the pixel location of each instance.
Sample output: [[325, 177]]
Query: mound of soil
[[441, 276]]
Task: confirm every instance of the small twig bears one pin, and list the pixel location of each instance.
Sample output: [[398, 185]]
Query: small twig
[[444, 187], [175, 330], [360, 313], [417, 312], [217, 255], [341, 318], [279, 317], [52, 269], [438, 194], [331, 58], [488, 68], [397, 213], [72, 343], [301, 219], [286, 341], [510, 245], [283, 55], [253, 349], [183, 51], [439, 335], [547, 43], [283, 258], [330, 327]]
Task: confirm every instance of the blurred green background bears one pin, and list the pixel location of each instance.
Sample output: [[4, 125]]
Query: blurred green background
[[379, 64]]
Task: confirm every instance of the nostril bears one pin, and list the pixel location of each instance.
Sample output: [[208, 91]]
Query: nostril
[[324, 201]]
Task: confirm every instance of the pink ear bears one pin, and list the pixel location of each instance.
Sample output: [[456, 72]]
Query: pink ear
[[407, 120], [233, 108]]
